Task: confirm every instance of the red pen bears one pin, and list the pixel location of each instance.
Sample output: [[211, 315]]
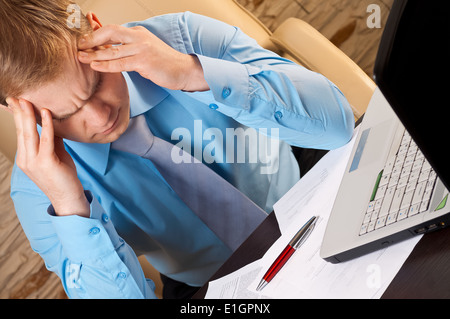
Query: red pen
[[293, 245]]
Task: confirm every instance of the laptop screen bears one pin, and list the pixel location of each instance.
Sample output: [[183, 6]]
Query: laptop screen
[[412, 71]]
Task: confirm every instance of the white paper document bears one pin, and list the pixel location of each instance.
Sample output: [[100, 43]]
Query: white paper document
[[306, 275], [235, 285]]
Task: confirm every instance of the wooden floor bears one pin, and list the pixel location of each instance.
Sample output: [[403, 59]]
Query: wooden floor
[[344, 22]]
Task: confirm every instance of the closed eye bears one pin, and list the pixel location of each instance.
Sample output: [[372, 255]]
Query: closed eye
[[64, 118]]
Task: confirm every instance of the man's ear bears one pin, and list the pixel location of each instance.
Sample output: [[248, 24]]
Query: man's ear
[[93, 21]]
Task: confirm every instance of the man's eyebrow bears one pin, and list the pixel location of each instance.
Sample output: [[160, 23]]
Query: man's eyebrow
[[92, 92]]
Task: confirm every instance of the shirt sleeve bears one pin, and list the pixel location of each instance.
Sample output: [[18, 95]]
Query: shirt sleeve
[[260, 89], [87, 254]]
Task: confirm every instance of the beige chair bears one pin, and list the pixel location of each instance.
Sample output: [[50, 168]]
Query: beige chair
[[294, 39]]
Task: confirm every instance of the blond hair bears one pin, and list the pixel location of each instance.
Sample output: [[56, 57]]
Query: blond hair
[[35, 37]]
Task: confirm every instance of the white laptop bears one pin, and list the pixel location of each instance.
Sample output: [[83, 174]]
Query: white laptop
[[395, 184]]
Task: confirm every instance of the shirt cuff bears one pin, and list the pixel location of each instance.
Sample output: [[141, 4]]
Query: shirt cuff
[[86, 238], [228, 81]]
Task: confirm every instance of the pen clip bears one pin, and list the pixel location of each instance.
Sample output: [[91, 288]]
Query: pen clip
[[305, 235]]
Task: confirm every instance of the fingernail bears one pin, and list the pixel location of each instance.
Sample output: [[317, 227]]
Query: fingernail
[[43, 114], [83, 54], [95, 63]]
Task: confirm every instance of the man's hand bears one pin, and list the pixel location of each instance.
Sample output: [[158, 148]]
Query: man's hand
[[45, 161], [115, 48]]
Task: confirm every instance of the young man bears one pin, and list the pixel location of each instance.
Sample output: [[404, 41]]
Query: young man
[[89, 209]]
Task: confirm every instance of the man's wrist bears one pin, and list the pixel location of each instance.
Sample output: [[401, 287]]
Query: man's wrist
[[195, 79], [77, 206]]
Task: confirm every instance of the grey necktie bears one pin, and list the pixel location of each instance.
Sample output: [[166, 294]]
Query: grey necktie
[[223, 208]]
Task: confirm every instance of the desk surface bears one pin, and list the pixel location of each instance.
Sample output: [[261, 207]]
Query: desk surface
[[425, 274]]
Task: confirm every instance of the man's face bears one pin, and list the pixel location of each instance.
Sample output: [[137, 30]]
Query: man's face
[[87, 106]]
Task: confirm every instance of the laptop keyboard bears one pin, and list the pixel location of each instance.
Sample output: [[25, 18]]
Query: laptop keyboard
[[403, 188]]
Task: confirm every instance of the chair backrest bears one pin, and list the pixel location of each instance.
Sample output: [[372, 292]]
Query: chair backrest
[[308, 47]]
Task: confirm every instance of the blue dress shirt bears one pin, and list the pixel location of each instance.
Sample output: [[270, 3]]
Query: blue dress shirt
[[134, 211]]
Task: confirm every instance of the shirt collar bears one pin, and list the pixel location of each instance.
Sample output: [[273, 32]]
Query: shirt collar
[[144, 95]]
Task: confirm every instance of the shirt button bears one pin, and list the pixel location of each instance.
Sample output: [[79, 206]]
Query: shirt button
[[226, 92], [94, 231], [105, 218], [213, 106], [278, 115], [122, 275]]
